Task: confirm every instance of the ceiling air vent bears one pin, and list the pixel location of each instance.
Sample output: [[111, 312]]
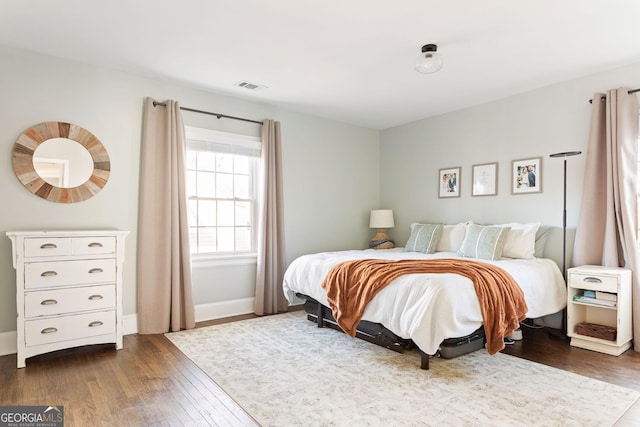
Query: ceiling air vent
[[248, 85]]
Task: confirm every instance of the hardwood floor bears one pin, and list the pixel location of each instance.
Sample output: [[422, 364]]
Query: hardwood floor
[[150, 382]]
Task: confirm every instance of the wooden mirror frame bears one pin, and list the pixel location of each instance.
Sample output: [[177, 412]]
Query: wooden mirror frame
[[28, 142]]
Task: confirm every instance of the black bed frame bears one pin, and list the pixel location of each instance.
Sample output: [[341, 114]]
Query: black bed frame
[[369, 331]]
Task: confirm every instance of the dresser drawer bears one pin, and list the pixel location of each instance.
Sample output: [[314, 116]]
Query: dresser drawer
[[64, 328], [593, 282], [93, 245], [61, 246], [69, 300], [47, 246], [65, 273]]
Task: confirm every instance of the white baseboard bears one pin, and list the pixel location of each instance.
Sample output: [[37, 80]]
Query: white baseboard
[[8, 343], [203, 312], [217, 310], [129, 324]]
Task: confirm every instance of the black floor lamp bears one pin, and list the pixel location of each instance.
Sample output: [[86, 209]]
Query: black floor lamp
[[564, 227], [564, 210]]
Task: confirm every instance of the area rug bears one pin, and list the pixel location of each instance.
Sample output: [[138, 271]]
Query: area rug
[[284, 371]]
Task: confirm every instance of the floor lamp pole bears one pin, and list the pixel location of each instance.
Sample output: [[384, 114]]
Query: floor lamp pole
[[564, 224], [564, 209]]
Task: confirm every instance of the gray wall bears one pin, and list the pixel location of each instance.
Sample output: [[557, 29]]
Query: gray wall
[[334, 173], [538, 123], [330, 184]]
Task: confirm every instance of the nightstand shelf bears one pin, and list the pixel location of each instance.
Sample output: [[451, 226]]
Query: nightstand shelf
[[612, 281], [595, 305]]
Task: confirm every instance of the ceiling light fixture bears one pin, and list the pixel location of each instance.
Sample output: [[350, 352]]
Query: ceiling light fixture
[[429, 60]]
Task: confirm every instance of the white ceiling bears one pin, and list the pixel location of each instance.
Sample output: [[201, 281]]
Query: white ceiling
[[349, 60]]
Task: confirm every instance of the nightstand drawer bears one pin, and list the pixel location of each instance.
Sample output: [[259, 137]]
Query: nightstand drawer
[[69, 300], [66, 273], [65, 328], [593, 282]]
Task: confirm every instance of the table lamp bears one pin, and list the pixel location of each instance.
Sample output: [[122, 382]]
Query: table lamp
[[381, 219]]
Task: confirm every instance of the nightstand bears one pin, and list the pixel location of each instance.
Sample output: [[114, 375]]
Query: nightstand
[[599, 308]]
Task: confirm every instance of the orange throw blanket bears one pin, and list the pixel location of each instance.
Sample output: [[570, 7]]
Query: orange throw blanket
[[351, 285]]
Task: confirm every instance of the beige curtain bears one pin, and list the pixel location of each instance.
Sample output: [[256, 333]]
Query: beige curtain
[[270, 297], [165, 301], [607, 232]]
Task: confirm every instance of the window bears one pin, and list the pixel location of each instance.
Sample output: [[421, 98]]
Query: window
[[221, 190]]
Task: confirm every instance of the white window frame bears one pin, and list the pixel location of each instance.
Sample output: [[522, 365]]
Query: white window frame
[[202, 139]]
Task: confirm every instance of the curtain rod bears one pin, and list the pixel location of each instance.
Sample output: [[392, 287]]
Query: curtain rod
[[604, 97], [218, 115]]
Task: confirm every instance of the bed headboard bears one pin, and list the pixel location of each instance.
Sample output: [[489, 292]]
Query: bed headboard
[[553, 245], [548, 242]]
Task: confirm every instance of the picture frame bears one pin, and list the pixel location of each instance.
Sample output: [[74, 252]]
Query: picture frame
[[449, 182], [484, 178], [526, 175]]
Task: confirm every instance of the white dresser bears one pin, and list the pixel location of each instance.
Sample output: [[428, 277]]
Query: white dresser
[[68, 289]]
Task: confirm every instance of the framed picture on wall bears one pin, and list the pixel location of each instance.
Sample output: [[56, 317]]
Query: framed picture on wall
[[449, 182], [526, 176], [484, 179]]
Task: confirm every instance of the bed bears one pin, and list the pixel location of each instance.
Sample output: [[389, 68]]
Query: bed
[[426, 309]]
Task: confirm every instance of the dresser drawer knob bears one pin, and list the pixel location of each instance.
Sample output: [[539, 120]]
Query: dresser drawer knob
[[591, 280], [95, 297], [49, 330], [48, 274], [95, 245], [96, 270], [95, 324], [49, 302], [48, 246]]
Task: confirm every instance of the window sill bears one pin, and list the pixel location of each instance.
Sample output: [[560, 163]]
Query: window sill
[[199, 261]]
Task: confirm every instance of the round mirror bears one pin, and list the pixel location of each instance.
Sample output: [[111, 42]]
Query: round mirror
[[61, 162]]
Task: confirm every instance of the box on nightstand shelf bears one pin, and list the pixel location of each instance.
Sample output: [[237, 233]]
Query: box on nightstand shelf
[[599, 308], [597, 331]]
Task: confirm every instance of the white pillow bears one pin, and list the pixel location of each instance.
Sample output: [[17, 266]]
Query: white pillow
[[521, 240], [451, 238]]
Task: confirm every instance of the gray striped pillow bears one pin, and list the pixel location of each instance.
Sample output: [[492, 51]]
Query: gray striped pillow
[[424, 238], [485, 242]]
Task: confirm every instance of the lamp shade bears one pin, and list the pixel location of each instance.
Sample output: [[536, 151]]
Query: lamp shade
[[565, 154], [381, 218]]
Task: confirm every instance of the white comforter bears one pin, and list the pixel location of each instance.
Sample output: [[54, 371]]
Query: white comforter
[[429, 308]]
